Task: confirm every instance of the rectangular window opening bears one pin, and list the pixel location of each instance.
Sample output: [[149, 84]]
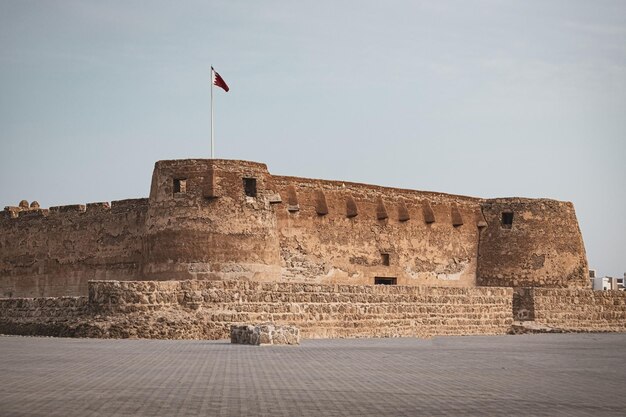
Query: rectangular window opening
[[249, 187], [385, 259], [180, 185], [385, 280], [507, 219]]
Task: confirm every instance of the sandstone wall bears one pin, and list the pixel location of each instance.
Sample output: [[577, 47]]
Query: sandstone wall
[[55, 252], [572, 309], [206, 309], [49, 316], [296, 229], [339, 232], [222, 219], [211, 229], [543, 246]]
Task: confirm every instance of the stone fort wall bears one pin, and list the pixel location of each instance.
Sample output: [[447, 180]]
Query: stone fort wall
[[207, 309], [54, 252], [221, 219], [572, 309]]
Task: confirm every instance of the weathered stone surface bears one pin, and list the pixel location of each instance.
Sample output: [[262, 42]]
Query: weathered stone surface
[[542, 248], [321, 208], [455, 214], [208, 309], [572, 309], [403, 212], [351, 208], [264, 334], [213, 231], [381, 210]]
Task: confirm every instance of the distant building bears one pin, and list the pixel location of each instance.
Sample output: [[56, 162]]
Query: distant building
[[606, 283]]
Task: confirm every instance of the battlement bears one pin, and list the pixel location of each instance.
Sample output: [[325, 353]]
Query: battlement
[[233, 220], [119, 206]]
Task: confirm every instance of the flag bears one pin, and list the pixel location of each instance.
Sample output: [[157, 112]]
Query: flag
[[219, 81]]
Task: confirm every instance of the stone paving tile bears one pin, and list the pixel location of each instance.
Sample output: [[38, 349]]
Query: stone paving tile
[[529, 375]]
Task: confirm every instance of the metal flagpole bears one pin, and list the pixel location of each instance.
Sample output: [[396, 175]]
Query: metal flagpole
[[212, 132]]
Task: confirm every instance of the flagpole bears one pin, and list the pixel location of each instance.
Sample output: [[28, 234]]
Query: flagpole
[[212, 130]]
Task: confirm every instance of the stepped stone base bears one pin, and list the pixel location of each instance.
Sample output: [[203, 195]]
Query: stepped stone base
[[208, 309], [264, 334]]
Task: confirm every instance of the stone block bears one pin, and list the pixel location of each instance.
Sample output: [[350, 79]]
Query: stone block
[[264, 334]]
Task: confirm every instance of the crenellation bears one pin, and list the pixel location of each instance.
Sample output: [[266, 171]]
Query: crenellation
[[427, 211], [351, 207], [71, 208], [98, 207], [11, 212], [381, 210], [130, 204], [33, 213], [321, 207], [455, 214], [403, 212]]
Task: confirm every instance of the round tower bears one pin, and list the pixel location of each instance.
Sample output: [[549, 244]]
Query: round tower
[[210, 219], [531, 243]]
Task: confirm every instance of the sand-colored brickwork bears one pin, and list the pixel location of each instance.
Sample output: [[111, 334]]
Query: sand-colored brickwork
[[572, 309], [233, 220], [55, 252], [207, 309], [543, 246]]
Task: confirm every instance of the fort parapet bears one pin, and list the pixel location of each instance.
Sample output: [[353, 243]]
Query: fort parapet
[[233, 220]]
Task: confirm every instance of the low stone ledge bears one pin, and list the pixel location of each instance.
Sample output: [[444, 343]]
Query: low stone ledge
[[264, 334]]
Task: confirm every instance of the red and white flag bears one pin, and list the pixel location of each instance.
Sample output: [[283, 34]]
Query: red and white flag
[[218, 80]]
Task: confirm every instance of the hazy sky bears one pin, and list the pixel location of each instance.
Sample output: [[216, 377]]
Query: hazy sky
[[481, 98]]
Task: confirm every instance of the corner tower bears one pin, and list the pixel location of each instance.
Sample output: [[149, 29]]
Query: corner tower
[[531, 243], [211, 219]]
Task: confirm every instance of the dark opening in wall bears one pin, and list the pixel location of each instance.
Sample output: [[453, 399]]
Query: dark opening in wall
[[249, 186], [180, 185], [385, 280], [385, 259], [507, 219]]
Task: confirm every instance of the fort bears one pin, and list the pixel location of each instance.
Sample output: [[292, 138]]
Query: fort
[[219, 242]]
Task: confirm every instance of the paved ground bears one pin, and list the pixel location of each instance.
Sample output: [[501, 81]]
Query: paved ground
[[549, 375]]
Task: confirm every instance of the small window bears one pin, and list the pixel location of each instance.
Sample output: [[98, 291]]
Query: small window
[[385, 281], [507, 219], [249, 187], [180, 186], [385, 259]]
